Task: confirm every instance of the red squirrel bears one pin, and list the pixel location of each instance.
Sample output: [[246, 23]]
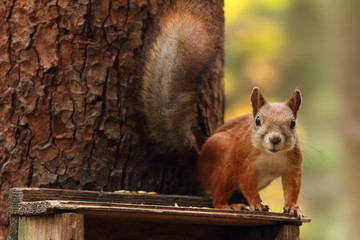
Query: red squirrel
[[251, 151]]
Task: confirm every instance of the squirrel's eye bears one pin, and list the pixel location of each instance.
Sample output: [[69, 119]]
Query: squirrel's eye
[[257, 121], [292, 124]]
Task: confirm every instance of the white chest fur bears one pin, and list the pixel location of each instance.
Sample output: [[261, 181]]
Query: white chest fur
[[269, 167]]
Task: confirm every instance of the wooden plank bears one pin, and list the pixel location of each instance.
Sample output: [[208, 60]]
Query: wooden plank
[[63, 214], [275, 232], [144, 230], [71, 226], [114, 228], [168, 213], [17, 195], [63, 226], [24, 195], [288, 232], [14, 226]]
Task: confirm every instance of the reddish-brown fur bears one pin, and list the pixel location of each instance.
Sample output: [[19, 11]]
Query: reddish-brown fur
[[231, 157], [185, 46]]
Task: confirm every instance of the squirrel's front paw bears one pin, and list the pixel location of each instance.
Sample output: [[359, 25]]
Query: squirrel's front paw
[[259, 207], [293, 211]]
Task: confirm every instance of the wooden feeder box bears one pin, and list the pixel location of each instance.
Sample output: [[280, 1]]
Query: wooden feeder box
[[67, 214]]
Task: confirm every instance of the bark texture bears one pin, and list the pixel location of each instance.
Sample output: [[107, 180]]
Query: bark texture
[[69, 112]]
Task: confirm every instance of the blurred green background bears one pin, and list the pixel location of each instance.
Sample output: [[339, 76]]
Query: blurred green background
[[280, 45]]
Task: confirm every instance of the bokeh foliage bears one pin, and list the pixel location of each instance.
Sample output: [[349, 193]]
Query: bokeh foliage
[[280, 45]]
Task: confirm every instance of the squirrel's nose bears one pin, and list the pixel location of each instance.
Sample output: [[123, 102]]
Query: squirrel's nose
[[275, 139]]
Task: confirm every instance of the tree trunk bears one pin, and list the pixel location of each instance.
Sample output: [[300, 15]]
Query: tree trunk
[[69, 80]]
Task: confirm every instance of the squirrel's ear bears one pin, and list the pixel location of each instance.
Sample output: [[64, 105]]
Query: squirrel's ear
[[257, 100], [294, 101]]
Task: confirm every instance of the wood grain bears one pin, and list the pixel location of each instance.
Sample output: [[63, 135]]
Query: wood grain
[[28, 201], [45, 213], [64, 226], [160, 213], [18, 195]]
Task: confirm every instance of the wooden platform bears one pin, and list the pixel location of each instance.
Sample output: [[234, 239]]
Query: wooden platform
[[66, 214]]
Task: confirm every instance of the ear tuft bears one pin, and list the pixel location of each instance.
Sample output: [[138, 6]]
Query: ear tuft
[[294, 101], [257, 100]]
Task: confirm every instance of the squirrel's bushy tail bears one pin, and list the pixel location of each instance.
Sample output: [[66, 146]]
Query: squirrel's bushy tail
[[174, 62]]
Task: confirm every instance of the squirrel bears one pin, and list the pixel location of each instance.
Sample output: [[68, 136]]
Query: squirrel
[[249, 151], [184, 47], [252, 150]]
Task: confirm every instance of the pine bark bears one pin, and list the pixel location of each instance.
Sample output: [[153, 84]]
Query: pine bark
[[70, 73]]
